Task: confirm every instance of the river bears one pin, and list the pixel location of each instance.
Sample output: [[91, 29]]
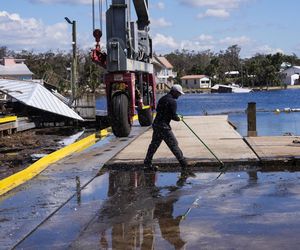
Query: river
[[234, 105]]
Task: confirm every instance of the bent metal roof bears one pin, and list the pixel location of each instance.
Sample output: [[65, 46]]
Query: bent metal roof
[[15, 69], [37, 96]]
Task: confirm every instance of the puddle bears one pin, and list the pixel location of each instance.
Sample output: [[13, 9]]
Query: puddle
[[134, 209]]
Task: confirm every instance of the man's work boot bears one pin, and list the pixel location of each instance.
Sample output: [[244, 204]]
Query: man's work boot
[[183, 164], [149, 167], [185, 169], [181, 181], [185, 173]]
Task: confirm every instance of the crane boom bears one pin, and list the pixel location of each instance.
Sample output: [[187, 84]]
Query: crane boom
[[129, 46], [130, 83], [141, 8]]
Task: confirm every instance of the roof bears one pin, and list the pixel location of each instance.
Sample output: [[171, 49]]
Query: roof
[[155, 61], [187, 77], [235, 72], [164, 61], [37, 96], [15, 69], [291, 69], [11, 60]]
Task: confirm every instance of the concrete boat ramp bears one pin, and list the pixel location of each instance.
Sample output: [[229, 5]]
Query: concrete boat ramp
[[227, 144], [76, 204], [222, 139]]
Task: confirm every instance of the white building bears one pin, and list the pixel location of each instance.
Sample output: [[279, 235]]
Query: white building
[[11, 68], [195, 81], [291, 75], [232, 74], [164, 73]]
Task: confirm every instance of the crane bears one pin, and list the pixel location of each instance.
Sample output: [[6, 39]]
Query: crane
[[129, 79]]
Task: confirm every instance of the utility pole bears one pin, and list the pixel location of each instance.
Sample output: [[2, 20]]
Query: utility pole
[[74, 59]]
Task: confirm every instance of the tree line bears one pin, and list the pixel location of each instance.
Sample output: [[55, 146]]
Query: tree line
[[261, 70], [55, 68]]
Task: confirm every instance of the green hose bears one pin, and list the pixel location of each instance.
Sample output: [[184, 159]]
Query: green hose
[[221, 163]]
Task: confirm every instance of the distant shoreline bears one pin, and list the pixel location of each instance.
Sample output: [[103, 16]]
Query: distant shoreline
[[256, 89], [101, 92], [277, 88]]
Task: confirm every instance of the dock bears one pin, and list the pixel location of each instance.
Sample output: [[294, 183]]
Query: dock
[[221, 137], [12, 124], [75, 199]]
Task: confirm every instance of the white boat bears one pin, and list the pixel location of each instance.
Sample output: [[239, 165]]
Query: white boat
[[232, 88]]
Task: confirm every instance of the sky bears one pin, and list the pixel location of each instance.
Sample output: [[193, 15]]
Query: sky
[[257, 26]]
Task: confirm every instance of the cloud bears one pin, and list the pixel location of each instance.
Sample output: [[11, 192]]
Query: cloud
[[219, 13], [161, 5], [204, 38], [266, 49], [215, 8], [228, 41], [19, 33], [158, 6], [196, 45], [161, 22], [216, 4], [61, 1], [162, 42], [200, 43]]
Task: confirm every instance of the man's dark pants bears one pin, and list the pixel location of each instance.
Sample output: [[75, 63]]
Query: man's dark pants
[[166, 135]]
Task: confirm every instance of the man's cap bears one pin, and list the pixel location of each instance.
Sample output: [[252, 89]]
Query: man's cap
[[177, 88]]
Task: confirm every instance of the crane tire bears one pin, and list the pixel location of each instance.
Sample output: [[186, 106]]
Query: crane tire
[[120, 121]]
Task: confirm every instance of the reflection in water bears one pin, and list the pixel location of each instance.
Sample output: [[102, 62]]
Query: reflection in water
[[78, 190], [135, 214], [169, 226], [252, 176], [144, 212]]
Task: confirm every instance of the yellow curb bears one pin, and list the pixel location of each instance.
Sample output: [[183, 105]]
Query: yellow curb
[[21, 177], [33, 170], [8, 119]]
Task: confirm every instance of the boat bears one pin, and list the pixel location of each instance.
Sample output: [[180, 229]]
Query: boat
[[232, 88]]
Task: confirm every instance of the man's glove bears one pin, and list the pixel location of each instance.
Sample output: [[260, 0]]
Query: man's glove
[[180, 117]]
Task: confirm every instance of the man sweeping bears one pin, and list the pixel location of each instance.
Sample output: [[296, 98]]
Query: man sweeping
[[166, 111]]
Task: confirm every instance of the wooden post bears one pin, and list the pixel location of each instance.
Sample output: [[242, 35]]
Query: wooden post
[[251, 115]]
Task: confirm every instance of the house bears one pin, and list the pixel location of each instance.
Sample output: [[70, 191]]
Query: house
[[284, 66], [16, 69], [291, 75], [163, 71], [195, 81], [232, 74]]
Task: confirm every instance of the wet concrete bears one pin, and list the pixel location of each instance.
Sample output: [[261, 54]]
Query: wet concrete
[[26, 207], [134, 209]]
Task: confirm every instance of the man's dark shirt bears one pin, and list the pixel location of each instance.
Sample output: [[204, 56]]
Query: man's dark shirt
[[166, 111]]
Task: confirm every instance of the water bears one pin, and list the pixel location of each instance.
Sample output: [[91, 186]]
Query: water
[[235, 105], [137, 210]]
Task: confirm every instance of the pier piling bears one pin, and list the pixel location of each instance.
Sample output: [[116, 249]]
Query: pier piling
[[251, 117]]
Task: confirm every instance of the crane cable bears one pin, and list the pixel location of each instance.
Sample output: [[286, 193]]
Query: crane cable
[[100, 13], [93, 12]]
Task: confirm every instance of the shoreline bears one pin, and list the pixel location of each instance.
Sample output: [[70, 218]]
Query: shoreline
[[256, 89]]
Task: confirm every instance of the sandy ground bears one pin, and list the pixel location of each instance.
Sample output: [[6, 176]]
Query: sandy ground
[[16, 150]]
